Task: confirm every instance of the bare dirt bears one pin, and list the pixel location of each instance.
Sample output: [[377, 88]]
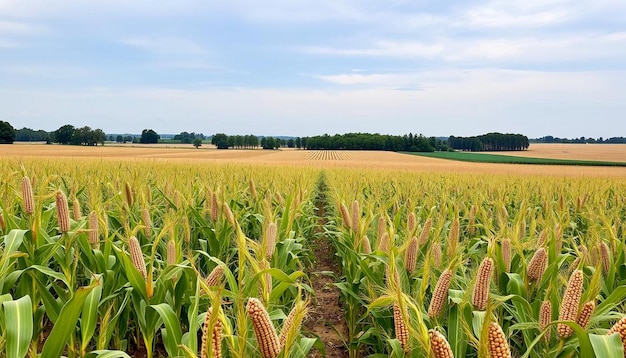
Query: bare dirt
[[326, 319]]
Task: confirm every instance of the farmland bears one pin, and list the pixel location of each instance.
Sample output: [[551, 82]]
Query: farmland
[[153, 252]]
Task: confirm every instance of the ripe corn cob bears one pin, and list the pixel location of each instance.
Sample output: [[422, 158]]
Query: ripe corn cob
[[605, 257], [439, 345], [537, 265], [382, 227], [472, 220], [620, 328], [345, 215], [215, 276], [481, 287], [400, 326], [440, 294], [453, 238], [367, 247], [425, 232], [76, 212], [229, 214], [216, 337], [63, 212], [282, 338], [214, 207], [411, 223], [128, 192], [264, 331], [270, 234], [171, 252], [93, 229], [410, 259], [585, 313], [436, 253], [569, 304], [522, 230], [252, 187], [506, 254], [147, 222], [498, 346], [136, 256], [595, 255], [545, 317], [356, 215], [383, 244], [27, 196]]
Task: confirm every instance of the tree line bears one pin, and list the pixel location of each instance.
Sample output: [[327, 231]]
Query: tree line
[[367, 141], [249, 141], [582, 140], [490, 142]]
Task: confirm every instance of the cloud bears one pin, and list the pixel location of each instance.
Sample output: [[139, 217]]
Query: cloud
[[451, 102], [382, 48], [166, 45]]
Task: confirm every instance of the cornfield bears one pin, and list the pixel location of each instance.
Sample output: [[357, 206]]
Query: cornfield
[[149, 259]]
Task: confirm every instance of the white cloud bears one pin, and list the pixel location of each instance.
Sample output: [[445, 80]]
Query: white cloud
[[382, 48], [166, 45], [451, 102]]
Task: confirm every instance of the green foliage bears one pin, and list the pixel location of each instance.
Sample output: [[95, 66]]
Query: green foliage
[[149, 136], [509, 159], [7, 133]]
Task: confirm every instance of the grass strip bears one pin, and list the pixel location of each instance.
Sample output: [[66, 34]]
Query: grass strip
[[509, 159]]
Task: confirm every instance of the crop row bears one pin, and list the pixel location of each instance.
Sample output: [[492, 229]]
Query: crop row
[[152, 259], [480, 266]]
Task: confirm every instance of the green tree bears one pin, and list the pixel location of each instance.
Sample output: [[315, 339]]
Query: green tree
[[7, 133], [64, 134], [197, 143], [220, 140], [149, 136]]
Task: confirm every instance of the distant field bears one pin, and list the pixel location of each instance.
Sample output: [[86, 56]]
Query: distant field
[[601, 152], [511, 159], [322, 159]]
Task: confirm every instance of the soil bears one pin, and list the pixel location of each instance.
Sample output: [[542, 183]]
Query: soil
[[326, 318]]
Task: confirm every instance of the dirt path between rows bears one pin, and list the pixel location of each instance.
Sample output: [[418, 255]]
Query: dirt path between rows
[[326, 318]]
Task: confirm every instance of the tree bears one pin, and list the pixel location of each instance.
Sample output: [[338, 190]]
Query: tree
[[220, 140], [7, 133], [148, 136], [197, 142], [64, 134], [30, 135], [119, 138]]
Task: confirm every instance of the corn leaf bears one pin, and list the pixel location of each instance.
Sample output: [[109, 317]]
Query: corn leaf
[[19, 331], [66, 323], [174, 334], [89, 316], [607, 346]]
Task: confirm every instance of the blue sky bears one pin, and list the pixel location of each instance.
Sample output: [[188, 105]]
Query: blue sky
[[307, 67]]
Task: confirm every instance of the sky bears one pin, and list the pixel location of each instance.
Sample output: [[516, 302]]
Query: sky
[[309, 67]]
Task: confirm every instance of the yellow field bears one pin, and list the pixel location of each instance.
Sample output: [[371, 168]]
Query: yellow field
[[342, 159], [604, 152]]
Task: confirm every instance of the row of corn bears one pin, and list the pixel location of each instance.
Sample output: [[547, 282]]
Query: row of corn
[[119, 259], [480, 266]]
